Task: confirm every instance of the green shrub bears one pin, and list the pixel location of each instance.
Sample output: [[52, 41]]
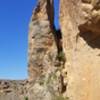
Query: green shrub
[[26, 98], [61, 56], [52, 77], [41, 81], [60, 97]]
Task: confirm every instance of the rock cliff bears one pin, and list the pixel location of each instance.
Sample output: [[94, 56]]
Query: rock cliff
[[63, 64], [80, 24]]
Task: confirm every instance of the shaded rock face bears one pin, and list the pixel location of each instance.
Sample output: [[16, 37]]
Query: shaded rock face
[[80, 24]]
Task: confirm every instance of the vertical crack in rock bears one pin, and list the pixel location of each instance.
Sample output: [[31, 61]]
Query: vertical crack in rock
[[60, 57], [59, 43]]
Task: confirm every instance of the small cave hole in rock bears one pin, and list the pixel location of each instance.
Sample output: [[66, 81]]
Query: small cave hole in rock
[[91, 38]]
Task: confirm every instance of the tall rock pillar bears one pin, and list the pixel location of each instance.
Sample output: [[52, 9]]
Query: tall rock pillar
[[42, 49]]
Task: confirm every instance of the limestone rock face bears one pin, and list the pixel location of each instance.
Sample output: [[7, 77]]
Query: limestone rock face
[[80, 24], [42, 48]]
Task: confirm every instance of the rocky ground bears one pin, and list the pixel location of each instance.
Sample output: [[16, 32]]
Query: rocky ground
[[12, 90]]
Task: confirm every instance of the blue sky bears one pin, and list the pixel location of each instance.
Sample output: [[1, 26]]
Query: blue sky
[[14, 20]]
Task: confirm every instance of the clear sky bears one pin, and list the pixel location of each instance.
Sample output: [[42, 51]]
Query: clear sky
[[14, 20]]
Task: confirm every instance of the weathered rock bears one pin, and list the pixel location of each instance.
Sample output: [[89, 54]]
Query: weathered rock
[[42, 48], [13, 90], [80, 24], [42, 54], [76, 74]]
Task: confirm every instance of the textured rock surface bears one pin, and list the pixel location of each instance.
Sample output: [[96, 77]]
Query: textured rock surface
[[13, 90], [42, 54], [80, 24], [77, 77], [42, 48]]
